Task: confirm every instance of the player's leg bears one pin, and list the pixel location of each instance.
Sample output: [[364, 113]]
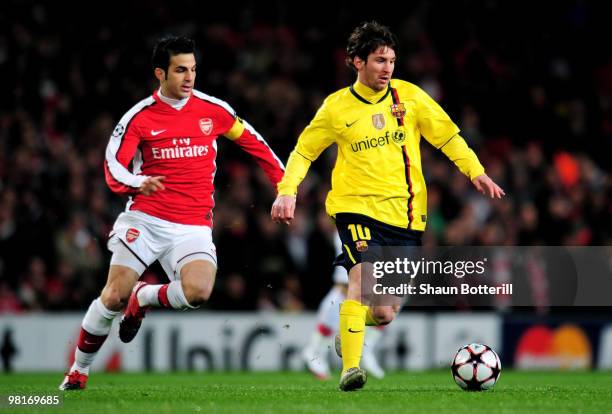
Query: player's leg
[[328, 320], [352, 331], [315, 353], [352, 312], [359, 233], [374, 332], [379, 316], [130, 244], [190, 263], [369, 362], [197, 281], [97, 324], [192, 267], [354, 317], [193, 288]]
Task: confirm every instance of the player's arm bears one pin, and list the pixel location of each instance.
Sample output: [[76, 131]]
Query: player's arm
[[243, 134], [457, 150], [120, 151], [440, 131], [317, 136]]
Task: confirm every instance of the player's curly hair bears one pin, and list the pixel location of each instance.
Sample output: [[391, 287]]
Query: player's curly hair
[[366, 38], [169, 46]]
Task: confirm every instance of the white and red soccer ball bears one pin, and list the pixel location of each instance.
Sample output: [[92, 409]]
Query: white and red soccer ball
[[476, 367]]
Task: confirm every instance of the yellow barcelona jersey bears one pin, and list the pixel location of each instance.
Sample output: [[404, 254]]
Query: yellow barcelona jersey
[[378, 170]]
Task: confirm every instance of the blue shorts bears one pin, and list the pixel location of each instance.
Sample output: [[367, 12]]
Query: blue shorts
[[358, 232]]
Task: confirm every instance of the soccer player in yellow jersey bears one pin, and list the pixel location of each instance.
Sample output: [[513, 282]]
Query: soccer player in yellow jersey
[[378, 195]]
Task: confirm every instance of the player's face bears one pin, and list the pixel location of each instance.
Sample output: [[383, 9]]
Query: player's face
[[376, 72], [181, 76]]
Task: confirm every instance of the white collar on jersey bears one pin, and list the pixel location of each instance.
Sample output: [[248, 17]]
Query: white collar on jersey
[[177, 104]]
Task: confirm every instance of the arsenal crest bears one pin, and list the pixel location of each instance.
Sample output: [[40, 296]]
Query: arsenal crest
[[378, 120], [398, 110], [206, 125], [131, 235]]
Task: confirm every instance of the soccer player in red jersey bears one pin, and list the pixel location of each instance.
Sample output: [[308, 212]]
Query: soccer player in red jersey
[[162, 155]]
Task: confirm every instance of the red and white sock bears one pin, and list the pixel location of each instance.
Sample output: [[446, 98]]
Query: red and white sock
[[320, 341], [328, 318], [170, 295], [94, 330], [328, 313]]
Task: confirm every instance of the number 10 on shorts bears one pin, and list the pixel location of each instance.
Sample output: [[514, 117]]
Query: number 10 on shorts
[[359, 232]]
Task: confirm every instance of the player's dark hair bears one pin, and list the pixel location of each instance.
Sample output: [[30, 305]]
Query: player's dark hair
[[366, 39], [169, 46]]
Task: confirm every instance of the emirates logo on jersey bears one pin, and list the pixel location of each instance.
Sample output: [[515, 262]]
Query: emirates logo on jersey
[[131, 235], [206, 125], [182, 148]]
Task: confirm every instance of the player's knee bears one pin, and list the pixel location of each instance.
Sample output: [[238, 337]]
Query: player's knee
[[197, 281], [113, 298], [203, 293], [197, 293], [383, 315]]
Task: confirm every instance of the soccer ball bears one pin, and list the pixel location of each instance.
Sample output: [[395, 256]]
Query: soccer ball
[[476, 367]]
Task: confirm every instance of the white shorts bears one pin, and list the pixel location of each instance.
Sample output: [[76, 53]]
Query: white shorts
[[340, 274], [138, 240]]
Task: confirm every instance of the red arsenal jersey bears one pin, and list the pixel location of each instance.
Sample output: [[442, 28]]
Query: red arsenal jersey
[[153, 138]]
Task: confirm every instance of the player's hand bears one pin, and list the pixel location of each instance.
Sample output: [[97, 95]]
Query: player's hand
[[488, 187], [151, 185], [283, 209]]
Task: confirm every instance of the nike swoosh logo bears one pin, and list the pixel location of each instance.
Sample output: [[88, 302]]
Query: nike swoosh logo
[[351, 331], [351, 124], [153, 132]]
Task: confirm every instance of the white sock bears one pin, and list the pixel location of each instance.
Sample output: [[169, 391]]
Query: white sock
[[329, 309], [318, 345], [98, 318], [372, 336], [176, 296], [149, 296], [97, 321], [82, 361]]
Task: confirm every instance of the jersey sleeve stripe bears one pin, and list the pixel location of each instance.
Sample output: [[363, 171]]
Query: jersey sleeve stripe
[[216, 101], [115, 185], [249, 127], [409, 182], [257, 135], [116, 170], [303, 156], [449, 140]]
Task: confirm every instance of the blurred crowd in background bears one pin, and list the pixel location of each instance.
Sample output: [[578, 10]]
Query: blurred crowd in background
[[531, 92]]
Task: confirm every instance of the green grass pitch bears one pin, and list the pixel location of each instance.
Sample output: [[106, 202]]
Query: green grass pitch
[[252, 393]]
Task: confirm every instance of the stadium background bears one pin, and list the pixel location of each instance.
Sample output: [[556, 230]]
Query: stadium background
[[530, 87]]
